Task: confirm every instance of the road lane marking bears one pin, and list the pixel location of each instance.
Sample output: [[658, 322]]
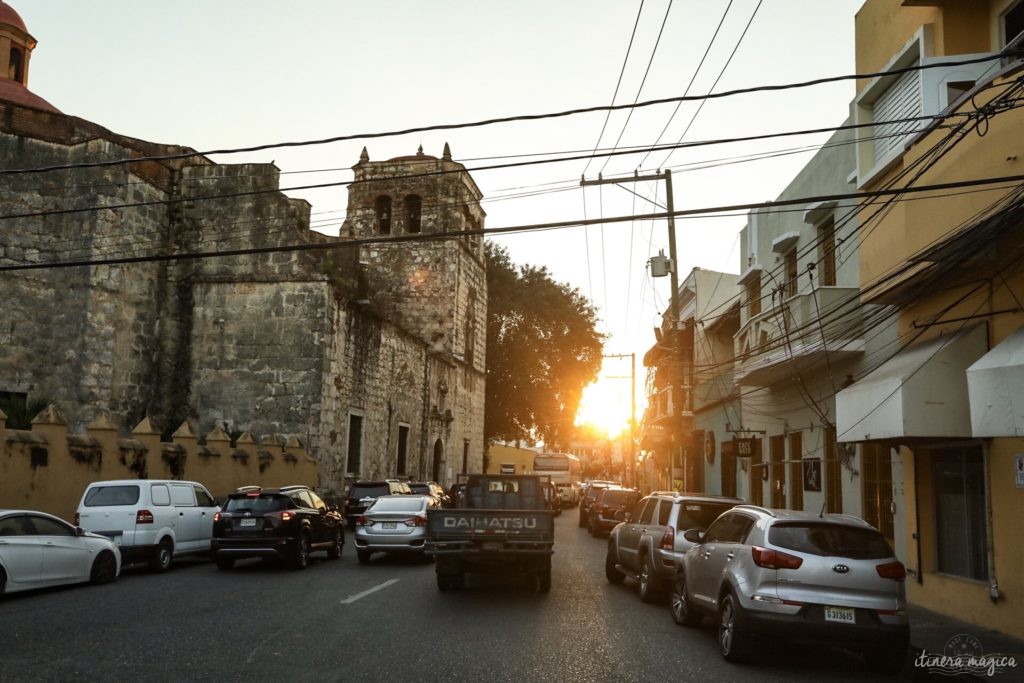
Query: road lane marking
[[352, 598]]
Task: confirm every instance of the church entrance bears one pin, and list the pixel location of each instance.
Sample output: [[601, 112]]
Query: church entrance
[[438, 460]]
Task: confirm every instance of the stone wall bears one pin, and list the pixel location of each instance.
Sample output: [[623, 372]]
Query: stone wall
[[48, 467], [261, 331]]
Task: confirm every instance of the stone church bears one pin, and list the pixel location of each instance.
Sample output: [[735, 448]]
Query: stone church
[[180, 289]]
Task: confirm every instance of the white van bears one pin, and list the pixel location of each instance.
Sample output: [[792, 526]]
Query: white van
[[152, 520]]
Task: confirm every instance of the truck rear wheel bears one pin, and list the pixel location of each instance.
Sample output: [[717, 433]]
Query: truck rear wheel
[[448, 582]]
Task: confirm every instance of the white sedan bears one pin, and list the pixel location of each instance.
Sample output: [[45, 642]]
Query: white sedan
[[39, 550]]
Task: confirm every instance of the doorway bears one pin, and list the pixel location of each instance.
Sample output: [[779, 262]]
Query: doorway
[[438, 461]]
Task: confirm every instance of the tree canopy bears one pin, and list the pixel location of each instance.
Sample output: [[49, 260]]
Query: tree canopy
[[542, 350]]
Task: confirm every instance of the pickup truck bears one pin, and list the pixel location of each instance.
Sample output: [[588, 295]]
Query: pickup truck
[[499, 525]]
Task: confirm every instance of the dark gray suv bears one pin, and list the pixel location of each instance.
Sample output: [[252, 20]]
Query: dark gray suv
[[765, 573], [648, 543]]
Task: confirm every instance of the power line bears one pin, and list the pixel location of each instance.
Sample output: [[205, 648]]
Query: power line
[[511, 119], [554, 225]]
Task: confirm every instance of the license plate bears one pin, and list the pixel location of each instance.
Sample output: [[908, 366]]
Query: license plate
[[842, 615], [248, 522], [491, 545], [389, 525]]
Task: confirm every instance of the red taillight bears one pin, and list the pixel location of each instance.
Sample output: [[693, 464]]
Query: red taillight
[[286, 516], [892, 570], [416, 521], [216, 516], [668, 541], [78, 520], [363, 521], [773, 559], [143, 517]]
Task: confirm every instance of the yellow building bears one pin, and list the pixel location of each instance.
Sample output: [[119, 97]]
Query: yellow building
[[949, 402]]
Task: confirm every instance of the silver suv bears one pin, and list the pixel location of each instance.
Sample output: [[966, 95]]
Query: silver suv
[[815, 578], [648, 543]]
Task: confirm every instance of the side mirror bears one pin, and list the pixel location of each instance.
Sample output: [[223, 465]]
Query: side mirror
[[694, 535], [79, 531]]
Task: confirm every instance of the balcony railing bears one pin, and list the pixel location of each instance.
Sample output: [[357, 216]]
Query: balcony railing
[[805, 327]]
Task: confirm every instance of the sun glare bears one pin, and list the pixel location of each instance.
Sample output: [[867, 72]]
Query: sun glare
[[605, 405]]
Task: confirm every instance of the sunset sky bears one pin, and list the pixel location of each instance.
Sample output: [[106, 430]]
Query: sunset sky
[[237, 73]]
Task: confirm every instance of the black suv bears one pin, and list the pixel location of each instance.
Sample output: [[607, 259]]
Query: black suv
[[609, 507], [362, 493], [283, 524], [587, 501]]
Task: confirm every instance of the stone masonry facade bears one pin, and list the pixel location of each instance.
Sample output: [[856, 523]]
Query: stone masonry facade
[[296, 338]]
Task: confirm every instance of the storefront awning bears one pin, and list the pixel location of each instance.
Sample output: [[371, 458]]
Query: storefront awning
[[995, 385], [920, 392]]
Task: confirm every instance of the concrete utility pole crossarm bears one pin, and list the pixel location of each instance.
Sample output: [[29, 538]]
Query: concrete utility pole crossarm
[[673, 305]]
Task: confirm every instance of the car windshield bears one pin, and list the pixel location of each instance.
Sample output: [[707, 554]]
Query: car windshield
[[266, 502], [420, 488], [103, 496], [593, 491], [405, 504], [699, 515], [614, 497], [832, 540], [371, 491]]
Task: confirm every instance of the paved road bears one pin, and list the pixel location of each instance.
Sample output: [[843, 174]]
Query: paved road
[[344, 621]]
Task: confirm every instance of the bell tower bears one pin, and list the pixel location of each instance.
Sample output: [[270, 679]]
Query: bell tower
[[431, 280], [16, 45]]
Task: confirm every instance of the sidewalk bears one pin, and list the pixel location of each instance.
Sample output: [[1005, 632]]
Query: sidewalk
[[936, 634]]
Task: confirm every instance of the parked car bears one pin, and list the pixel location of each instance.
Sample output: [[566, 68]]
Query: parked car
[[568, 494], [151, 520], [609, 508], [279, 524], [766, 573], [362, 493], [432, 489], [39, 550], [393, 524], [588, 497], [647, 545]]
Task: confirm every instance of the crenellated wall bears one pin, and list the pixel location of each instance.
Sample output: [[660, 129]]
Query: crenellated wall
[[48, 467]]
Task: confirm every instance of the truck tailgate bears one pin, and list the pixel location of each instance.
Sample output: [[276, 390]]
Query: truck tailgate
[[462, 525]]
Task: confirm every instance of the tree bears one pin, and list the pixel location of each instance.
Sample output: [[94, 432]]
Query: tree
[[542, 350]]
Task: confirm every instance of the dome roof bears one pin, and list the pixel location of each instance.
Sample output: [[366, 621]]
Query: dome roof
[[11, 18], [12, 91]]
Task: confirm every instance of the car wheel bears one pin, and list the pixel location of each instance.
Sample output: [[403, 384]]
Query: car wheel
[[886, 660], [3, 581], [363, 555], [682, 612], [592, 528], [648, 582], [164, 552], [583, 521], [611, 573], [300, 558], [544, 580], [225, 563], [334, 552], [732, 643], [104, 568]]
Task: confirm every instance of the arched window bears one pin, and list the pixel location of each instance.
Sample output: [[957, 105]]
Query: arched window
[[382, 215], [413, 206], [16, 69]]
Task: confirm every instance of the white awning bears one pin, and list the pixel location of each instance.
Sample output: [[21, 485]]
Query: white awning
[[995, 385], [920, 392]]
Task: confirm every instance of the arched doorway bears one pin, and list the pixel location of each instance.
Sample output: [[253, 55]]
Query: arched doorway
[[438, 460]]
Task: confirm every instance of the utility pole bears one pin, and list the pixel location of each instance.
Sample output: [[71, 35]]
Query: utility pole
[[673, 305]]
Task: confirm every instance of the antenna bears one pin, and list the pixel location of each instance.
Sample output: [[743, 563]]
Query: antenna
[[822, 513]]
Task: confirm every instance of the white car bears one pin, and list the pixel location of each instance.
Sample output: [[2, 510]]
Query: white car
[[39, 550], [151, 520]]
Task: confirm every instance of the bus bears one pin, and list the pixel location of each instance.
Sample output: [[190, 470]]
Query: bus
[[565, 471]]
